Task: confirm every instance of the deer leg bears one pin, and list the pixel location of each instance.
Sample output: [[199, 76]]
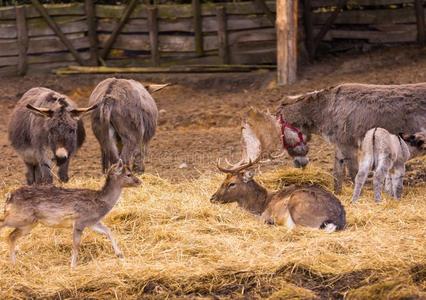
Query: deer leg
[[102, 229], [379, 177], [63, 171], [76, 241], [360, 179], [338, 170], [13, 238], [30, 175]]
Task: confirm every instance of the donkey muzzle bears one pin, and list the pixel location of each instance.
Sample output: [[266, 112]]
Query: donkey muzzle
[[300, 161], [61, 156]]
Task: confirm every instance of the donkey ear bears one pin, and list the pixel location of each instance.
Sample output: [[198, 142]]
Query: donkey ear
[[248, 176], [152, 88], [39, 111], [79, 112]]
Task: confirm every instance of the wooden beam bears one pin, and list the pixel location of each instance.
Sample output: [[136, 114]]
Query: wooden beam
[[327, 25], [52, 24], [287, 11], [222, 34], [126, 14], [91, 31], [261, 4], [198, 27], [420, 19], [308, 25], [22, 35], [153, 35]]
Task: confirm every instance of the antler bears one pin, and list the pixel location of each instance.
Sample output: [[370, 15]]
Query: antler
[[237, 168]]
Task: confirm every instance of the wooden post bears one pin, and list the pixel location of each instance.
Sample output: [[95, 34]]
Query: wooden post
[[309, 31], [153, 35], [22, 35], [286, 25], [198, 27], [263, 7], [420, 17], [91, 25], [222, 34], [126, 14], [57, 30]]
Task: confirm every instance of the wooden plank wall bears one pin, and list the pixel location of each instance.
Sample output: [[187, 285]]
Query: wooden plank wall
[[250, 35]]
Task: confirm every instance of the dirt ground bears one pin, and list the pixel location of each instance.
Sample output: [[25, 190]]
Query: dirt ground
[[200, 113]]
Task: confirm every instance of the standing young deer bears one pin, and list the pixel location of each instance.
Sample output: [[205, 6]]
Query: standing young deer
[[54, 206], [386, 154], [309, 205]]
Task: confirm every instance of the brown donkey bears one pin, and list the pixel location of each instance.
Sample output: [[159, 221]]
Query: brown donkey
[[308, 205], [54, 206]]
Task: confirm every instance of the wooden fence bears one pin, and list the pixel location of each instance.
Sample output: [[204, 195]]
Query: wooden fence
[[235, 33]]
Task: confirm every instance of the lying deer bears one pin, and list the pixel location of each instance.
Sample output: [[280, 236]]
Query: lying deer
[[386, 154], [54, 206], [309, 205]]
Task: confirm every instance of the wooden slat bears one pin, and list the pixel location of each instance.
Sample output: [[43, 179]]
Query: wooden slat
[[234, 22], [328, 3], [367, 17], [91, 31], [373, 36], [308, 26], [8, 13], [22, 35], [261, 4], [222, 35], [153, 36], [174, 43]]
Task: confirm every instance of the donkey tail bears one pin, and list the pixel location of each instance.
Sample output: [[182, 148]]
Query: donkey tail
[[105, 109]]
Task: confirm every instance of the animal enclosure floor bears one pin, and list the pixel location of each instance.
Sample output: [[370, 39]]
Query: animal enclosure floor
[[200, 122]]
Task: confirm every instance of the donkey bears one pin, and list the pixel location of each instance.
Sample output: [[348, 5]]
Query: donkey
[[46, 126], [54, 206], [308, 205], [386, 155], [263, 134], [125, 122], [344, 113]]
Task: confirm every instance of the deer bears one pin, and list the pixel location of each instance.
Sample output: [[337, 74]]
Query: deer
[[386, 155], [304, 205], [59, 207], [46, 128], [125, 122]]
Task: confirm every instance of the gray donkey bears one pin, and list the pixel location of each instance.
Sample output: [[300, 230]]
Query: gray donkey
[[125, 122], [344, 113], [386, 154], [45, 126]]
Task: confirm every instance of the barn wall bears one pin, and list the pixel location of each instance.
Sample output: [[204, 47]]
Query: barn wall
[[251, 36]]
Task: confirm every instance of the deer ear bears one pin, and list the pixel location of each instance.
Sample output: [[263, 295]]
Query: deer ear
[[39, 111], [248, 176], [79, 112]]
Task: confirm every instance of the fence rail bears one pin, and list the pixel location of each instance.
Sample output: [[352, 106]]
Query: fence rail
[[235, 32]]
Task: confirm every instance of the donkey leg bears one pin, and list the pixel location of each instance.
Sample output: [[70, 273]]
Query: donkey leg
[[30, 175], [139, 165], [338, 170], [379, 177], [129, 151], [398, 181], [360, 179], [45, 171], [63, 171], [13, 238], [351, 158], [102, 229]]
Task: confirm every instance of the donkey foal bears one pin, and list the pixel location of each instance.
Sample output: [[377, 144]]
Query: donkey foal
[[53, 206], [386, 154]]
